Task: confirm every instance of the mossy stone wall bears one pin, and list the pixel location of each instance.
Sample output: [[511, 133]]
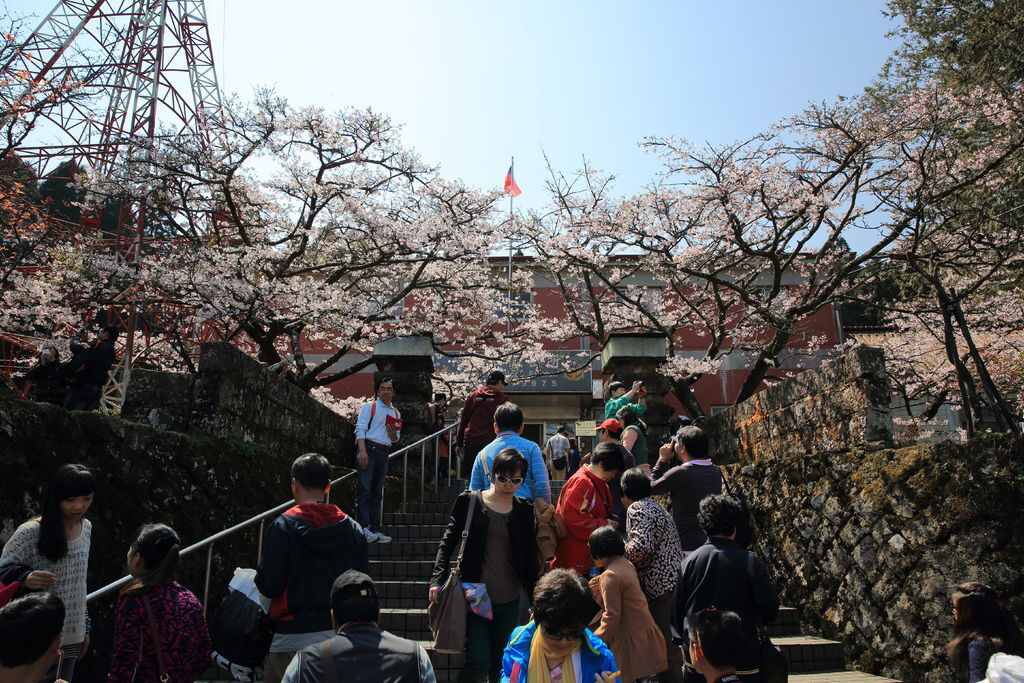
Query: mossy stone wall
[[196, 484], [868, 540]]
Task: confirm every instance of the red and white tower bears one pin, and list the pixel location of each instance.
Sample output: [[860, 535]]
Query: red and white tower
[[139, 70]]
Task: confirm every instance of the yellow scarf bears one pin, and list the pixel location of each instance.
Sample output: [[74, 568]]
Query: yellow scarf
[[538, 669]]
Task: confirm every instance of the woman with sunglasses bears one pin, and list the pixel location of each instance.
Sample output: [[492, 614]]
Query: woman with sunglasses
[[500, 562], [556, 646]]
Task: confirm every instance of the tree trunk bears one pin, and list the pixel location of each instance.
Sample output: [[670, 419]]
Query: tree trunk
[[766, 360], [968, 393], [681, 389], [1004, 416], [933, 406]]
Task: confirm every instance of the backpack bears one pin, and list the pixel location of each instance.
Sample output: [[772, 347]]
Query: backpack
[[240, 630]]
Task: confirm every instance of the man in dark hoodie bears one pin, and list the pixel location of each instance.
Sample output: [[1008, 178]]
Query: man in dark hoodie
[[304, 550], [476, 426]]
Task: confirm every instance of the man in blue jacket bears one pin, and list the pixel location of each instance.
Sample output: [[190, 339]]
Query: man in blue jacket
[[304, 550], [508, 425]]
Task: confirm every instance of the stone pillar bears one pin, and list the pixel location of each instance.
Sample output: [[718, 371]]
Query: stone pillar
[[631, 357], [409, 361]]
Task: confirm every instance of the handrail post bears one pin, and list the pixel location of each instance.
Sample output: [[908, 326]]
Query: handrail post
[[405, 477], [423, 467], [206, 583], [259, 544], [437, 462]]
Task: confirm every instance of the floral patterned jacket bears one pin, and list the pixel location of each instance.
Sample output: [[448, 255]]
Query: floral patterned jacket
[[184, 638], [652, 545]]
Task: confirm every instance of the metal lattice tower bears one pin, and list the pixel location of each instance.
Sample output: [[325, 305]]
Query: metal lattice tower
[[139, 70]]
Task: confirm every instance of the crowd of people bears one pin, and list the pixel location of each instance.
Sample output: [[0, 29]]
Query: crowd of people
[[626, 591]]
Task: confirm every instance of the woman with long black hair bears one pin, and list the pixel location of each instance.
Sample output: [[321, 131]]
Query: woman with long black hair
[[159, 628], [982, 626], [56, 546]]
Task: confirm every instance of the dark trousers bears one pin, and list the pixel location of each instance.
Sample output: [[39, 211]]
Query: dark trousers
[[82, 400], [486, 641], [469, 453], [661, 612], [370, 488]]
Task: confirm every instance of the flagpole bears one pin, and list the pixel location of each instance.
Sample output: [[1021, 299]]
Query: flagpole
[[511, 198]]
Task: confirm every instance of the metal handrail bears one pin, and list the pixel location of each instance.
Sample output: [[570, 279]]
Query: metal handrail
[[209, 541]]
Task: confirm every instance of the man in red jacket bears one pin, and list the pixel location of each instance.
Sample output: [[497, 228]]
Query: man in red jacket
[[476, 427], [586, 504]]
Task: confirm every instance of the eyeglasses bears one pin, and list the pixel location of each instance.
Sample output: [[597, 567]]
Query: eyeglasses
[[563, 635], [501, 478]]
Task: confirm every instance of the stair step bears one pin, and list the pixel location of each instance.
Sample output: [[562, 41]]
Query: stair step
[[839, 677], [415, 532], [787, 623], [401, 569], [429, 508], [399, 593], [409, 549], [411, 622], [807, 654], [413, 518]]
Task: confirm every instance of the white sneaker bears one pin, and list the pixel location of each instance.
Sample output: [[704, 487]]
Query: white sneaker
[[382, 538], [371, 537]]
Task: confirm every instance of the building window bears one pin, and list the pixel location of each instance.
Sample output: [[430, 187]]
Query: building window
[[518, 302]]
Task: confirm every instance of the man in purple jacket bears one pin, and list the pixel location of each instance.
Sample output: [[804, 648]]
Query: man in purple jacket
[[687, 484]]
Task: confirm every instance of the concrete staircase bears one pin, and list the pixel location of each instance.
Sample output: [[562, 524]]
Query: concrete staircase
[[401, 570]]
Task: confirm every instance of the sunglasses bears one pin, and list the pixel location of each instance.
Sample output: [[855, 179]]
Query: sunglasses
[[501, 478], [563, 635]]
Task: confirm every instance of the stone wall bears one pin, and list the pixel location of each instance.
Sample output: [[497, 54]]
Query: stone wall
[[843, 404], [196, 483], [869, 544], [233, 397], [867, 540]]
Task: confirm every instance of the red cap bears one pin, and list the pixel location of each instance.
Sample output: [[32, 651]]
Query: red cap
[[612, 425]]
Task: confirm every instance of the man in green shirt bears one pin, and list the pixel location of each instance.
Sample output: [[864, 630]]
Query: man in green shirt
[[618, 397]]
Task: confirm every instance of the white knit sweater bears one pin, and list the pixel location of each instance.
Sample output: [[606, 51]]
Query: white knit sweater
[[70, 570]]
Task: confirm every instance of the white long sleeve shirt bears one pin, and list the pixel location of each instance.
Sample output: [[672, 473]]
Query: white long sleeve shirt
[[376, 431]]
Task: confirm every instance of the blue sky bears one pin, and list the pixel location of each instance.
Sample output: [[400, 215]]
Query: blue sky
[[474, 83]]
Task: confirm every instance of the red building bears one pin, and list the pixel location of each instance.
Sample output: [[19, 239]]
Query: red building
[[549, 402]]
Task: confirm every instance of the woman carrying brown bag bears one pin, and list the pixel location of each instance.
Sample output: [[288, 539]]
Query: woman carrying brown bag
[[498, 563]]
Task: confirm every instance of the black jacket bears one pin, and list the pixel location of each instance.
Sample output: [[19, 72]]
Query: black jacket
[[89, 366], [48, 383], [722, 574], [304, 550], [522, 533]]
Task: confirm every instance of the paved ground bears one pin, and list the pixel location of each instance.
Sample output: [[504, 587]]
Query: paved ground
[[838, 677]]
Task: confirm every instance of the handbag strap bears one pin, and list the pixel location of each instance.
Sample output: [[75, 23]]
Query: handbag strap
[[465, 532], [328, 661], [156, 640]]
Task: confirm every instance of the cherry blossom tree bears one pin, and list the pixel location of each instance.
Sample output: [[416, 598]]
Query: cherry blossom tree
[[750, 238], [296, 230]]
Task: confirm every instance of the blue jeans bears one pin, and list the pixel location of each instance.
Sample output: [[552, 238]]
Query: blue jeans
[[370, 488]]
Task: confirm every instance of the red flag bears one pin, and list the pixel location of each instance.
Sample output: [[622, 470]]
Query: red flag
[[510, 184]]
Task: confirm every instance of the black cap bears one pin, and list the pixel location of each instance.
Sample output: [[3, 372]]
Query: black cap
[[495, 376], [353, 584]]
